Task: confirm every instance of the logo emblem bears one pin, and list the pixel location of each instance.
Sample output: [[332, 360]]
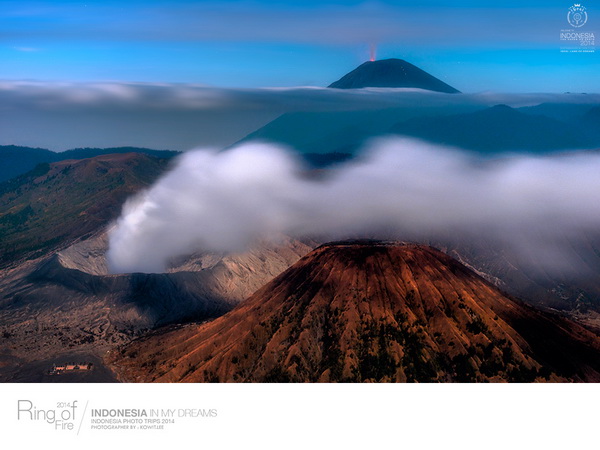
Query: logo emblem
[[577, 15]]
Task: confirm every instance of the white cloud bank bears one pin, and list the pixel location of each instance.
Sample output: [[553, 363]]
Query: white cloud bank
[[402, 188]]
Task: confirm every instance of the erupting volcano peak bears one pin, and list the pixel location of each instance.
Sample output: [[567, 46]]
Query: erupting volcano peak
[[392, 73]]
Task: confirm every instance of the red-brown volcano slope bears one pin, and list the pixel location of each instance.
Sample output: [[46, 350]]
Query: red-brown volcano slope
[[370, 311]]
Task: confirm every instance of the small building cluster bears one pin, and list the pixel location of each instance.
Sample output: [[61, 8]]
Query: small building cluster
[[57, 369]]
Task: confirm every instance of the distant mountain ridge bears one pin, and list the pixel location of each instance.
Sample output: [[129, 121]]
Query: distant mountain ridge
[[17, 160], [392, 73]]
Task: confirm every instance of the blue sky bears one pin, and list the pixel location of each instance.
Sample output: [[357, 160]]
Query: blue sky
[[474, 46]]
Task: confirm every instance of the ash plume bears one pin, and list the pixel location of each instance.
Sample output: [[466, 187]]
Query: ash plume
[[400, 188]]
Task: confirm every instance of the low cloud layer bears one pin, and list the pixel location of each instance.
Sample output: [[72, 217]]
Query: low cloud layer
[[63, 115], [400, 188], [56, 95]]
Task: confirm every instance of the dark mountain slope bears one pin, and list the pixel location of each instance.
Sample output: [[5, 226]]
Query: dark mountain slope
[[332, 131], [496, 129], [15, 160]]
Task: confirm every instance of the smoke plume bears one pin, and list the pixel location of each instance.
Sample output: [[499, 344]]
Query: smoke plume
[[400, 188]]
